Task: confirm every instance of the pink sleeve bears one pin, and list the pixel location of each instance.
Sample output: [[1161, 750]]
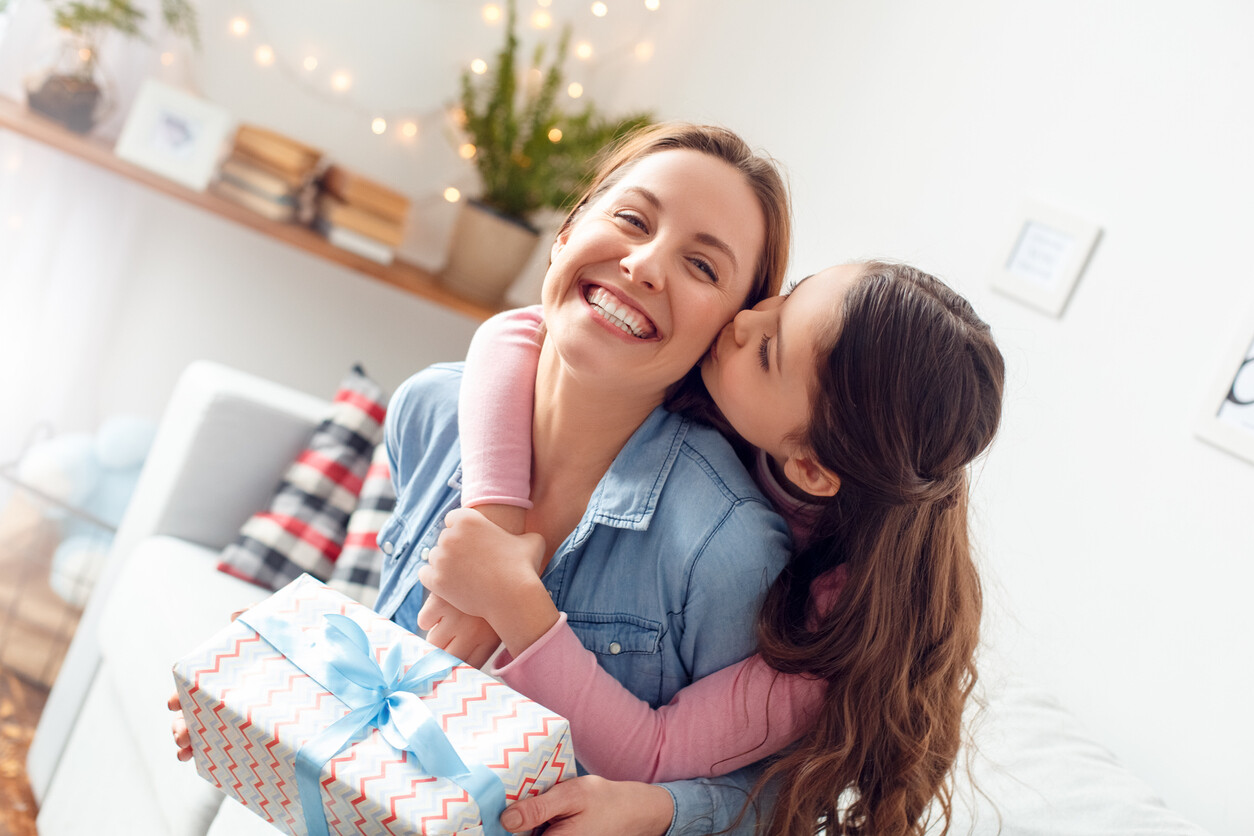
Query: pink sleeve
[[718, 724], [495, 406]]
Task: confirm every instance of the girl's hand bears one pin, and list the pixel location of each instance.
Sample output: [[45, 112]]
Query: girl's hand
[[468, 637], [484, 571], [592, 806], [478, 567]]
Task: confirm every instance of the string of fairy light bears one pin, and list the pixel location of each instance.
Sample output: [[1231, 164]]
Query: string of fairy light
[[336, 86]]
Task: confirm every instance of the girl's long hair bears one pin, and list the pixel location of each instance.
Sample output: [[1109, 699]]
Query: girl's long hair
[[911, 392]]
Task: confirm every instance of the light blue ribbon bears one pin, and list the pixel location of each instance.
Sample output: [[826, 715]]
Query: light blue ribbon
[[384, 697]]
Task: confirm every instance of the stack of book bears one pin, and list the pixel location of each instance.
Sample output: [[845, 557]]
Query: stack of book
[[360, 215], [270, 173]]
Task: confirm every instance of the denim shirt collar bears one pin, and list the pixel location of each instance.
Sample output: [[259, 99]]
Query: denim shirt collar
[[627, 495]]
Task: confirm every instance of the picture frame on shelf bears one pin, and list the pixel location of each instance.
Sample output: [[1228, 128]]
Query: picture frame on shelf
[[1226, 418], [175, 134], [1045, 256]]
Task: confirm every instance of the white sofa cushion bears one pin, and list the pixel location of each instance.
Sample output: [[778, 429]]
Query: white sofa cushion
[[168, 599]]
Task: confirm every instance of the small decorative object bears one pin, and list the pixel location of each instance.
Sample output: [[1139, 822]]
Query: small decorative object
[[530, 154], [72, 89], [83, 484], [319, 715], [1227, 417], [1048, 252], [174, 134]]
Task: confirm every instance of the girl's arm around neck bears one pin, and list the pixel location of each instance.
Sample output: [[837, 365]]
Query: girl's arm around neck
[[716, 725]]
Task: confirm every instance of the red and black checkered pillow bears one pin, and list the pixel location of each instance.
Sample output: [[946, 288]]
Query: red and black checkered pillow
[[359, 569], [304, 527]]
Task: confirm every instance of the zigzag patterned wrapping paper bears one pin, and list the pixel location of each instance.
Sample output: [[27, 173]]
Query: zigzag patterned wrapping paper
[[249, 710]]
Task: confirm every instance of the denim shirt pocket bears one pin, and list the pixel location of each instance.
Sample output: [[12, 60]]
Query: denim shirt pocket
[[627, 646]]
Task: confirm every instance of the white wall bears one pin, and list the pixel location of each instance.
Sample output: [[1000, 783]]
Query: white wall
[[1116, 545]]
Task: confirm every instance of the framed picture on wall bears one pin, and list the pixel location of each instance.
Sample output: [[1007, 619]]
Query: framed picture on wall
[[1045, 255], [174, 134], [1227, 417]]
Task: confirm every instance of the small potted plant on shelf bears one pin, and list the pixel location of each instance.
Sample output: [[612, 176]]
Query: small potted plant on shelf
[[72, 90], [531, 155]]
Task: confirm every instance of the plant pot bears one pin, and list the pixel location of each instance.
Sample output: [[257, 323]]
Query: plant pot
[[70, 89], [487, 253]]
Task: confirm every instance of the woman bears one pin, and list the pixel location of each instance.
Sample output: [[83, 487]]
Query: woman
[[663, 546], [868, 390]]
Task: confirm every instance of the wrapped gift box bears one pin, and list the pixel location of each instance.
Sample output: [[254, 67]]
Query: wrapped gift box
[[251, 708]]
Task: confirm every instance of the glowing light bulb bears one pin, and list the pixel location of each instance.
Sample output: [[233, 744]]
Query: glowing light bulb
[[583, 50], [467, 150], [409, 130], [478, 66], [167, 59], [644, 51], [652, 5], [341, 81], [310, 63], [555, 135], [264, 55], [379, 125], [84, 54], [239, 26], [575, 90], [541, 19], [600, 9], [491, 13], [452, 195], [458, 116]]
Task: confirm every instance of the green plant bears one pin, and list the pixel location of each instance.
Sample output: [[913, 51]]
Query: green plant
[[89, 20], [524, 162]]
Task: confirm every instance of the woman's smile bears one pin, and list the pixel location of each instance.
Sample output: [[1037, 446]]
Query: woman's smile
[[619, 313]]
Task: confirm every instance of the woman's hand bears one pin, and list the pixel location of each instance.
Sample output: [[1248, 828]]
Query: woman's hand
[[592, 806], [182, 738]]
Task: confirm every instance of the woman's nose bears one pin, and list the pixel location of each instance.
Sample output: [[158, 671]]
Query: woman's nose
[[645, 266]]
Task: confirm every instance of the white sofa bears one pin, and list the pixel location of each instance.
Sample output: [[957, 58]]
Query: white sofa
[[102, 760]]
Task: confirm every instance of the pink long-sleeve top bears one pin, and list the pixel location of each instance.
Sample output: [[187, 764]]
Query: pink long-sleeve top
[[715, 725]]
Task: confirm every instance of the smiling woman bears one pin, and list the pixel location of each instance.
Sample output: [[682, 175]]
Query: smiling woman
[[649, 519]]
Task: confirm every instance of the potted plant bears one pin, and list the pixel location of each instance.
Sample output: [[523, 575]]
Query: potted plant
[[531, 155], [72, 90]]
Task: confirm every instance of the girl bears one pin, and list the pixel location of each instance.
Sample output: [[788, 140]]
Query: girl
[[868, 390]]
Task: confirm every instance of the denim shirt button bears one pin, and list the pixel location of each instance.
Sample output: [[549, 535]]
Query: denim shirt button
[[387, 547], [425, 554], [615, 648]]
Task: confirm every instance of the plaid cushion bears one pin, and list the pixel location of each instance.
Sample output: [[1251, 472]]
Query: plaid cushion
[[358, 571], [304, 527]]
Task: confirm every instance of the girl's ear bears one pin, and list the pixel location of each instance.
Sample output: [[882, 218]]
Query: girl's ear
[[813, 478]]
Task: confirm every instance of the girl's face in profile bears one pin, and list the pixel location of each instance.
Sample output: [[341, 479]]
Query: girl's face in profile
[[761, 369], [642, 281]]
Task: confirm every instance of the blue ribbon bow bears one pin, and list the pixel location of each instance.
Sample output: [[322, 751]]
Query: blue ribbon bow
[[383, 697]]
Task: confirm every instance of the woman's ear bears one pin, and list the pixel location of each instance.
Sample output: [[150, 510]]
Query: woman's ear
[[559, 240], [810, 476]]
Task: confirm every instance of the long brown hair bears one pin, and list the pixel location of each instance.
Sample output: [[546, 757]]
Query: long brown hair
[[911, 391]]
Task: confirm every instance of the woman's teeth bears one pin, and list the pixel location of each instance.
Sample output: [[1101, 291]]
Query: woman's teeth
[[625, 318]]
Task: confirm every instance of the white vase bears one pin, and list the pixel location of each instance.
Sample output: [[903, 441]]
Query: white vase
[[487, 253]]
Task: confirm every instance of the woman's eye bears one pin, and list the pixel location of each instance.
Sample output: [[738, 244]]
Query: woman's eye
[[633, 219], [705, 267], [763, 357]]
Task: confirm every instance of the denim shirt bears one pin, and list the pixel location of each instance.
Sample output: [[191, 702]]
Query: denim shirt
[[662, 578]]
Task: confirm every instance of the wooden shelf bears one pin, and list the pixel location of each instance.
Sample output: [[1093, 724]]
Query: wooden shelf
[[15, 116]]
